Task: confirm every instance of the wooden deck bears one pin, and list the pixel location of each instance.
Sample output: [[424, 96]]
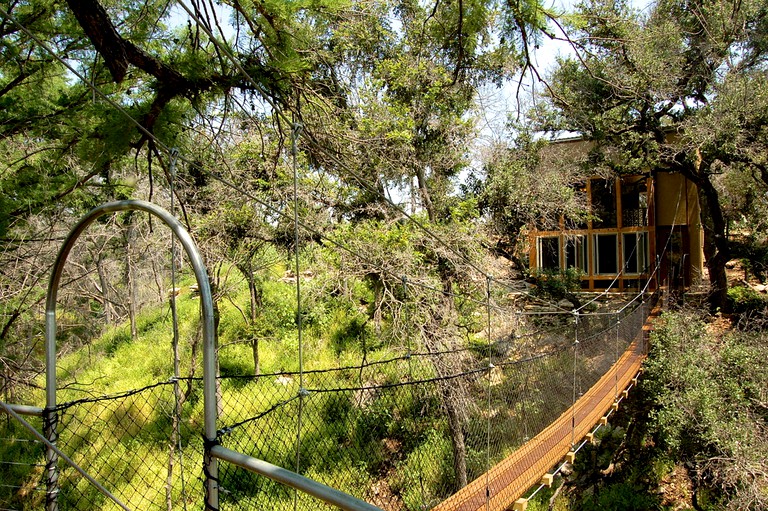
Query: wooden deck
[[524, 468]]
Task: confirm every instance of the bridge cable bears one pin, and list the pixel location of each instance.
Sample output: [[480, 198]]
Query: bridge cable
[[490, 377], [575, 360], [295, 131]]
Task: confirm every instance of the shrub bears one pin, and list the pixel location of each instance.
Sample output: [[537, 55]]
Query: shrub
[[744, 299], [708, 389], [558, 284], [426, 472], [619, 497], [350, 330]]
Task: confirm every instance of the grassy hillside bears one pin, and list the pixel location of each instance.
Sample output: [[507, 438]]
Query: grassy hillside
[[367, 414], [352, 438]]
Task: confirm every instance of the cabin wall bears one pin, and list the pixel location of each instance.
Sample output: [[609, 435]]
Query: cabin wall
[[677, 208]]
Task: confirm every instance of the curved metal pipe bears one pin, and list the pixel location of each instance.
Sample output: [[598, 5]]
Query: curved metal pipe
[[206, 304]]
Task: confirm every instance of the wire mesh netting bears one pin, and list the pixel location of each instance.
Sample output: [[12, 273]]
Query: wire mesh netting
[[22, 465], [386, 434], [399, 433], [144, 446]]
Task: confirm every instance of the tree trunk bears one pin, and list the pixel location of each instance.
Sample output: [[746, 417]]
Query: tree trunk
[[457, 434], [378, 299], [421, 178], [439, 337], [246, 267], [104, 283], [716, 247], [130, 279], [255, 296]]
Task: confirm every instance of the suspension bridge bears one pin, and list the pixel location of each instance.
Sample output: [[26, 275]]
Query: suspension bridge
[[402, 430], [504, 485], [528, 407]]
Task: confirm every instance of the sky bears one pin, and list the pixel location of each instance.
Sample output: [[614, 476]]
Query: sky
[[497, 105]]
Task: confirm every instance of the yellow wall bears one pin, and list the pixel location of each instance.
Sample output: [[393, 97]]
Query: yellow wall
[[672, 199], [677, 203]]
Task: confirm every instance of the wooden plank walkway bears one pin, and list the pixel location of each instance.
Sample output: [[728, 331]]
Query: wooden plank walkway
[[524, 468]]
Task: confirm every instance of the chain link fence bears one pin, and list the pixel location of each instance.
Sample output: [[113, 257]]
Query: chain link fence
[[144, 446], [22, 465], [397, 433]]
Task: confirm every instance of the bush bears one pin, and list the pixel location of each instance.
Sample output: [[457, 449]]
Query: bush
[[422, 478], [744, 299], [350, 330], [619, 497], [558, 284], [708, 389]]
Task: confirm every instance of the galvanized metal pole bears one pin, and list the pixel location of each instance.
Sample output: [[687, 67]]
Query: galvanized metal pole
[[209, 352], [50, 432], [318, 490], [16, 411]]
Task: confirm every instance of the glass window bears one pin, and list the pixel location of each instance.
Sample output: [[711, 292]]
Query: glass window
[[576, 252], [605, 284], [603, 199], [548, 249], [635, 252], [606, 254], [634, 202]]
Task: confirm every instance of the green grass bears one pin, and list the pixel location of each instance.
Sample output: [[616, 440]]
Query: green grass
[[349, 439]]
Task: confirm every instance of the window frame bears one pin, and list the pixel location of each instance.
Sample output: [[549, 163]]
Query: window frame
[[596, 251], [642, 258], [540, 252], [581, 252]]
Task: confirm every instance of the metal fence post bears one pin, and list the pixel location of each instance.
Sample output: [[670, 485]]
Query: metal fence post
[[50, 423], [209, 348]]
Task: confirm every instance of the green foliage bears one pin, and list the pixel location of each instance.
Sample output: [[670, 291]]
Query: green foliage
[[707, 389], [540, 502], [351, 330], [279, 311], [745, 299], [620, 497], [753, 252], [27, 459], [529, 183], [428, 465], [374, 423], [557, 284]]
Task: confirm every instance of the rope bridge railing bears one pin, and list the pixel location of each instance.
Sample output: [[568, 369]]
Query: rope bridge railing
[[403, 432], [22, 463], [378, 431], [387, 440]]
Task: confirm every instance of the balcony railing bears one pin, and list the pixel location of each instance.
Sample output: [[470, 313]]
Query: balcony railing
[[636, 217]]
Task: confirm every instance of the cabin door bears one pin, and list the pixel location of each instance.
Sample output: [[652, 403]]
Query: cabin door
[[673, 250]]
